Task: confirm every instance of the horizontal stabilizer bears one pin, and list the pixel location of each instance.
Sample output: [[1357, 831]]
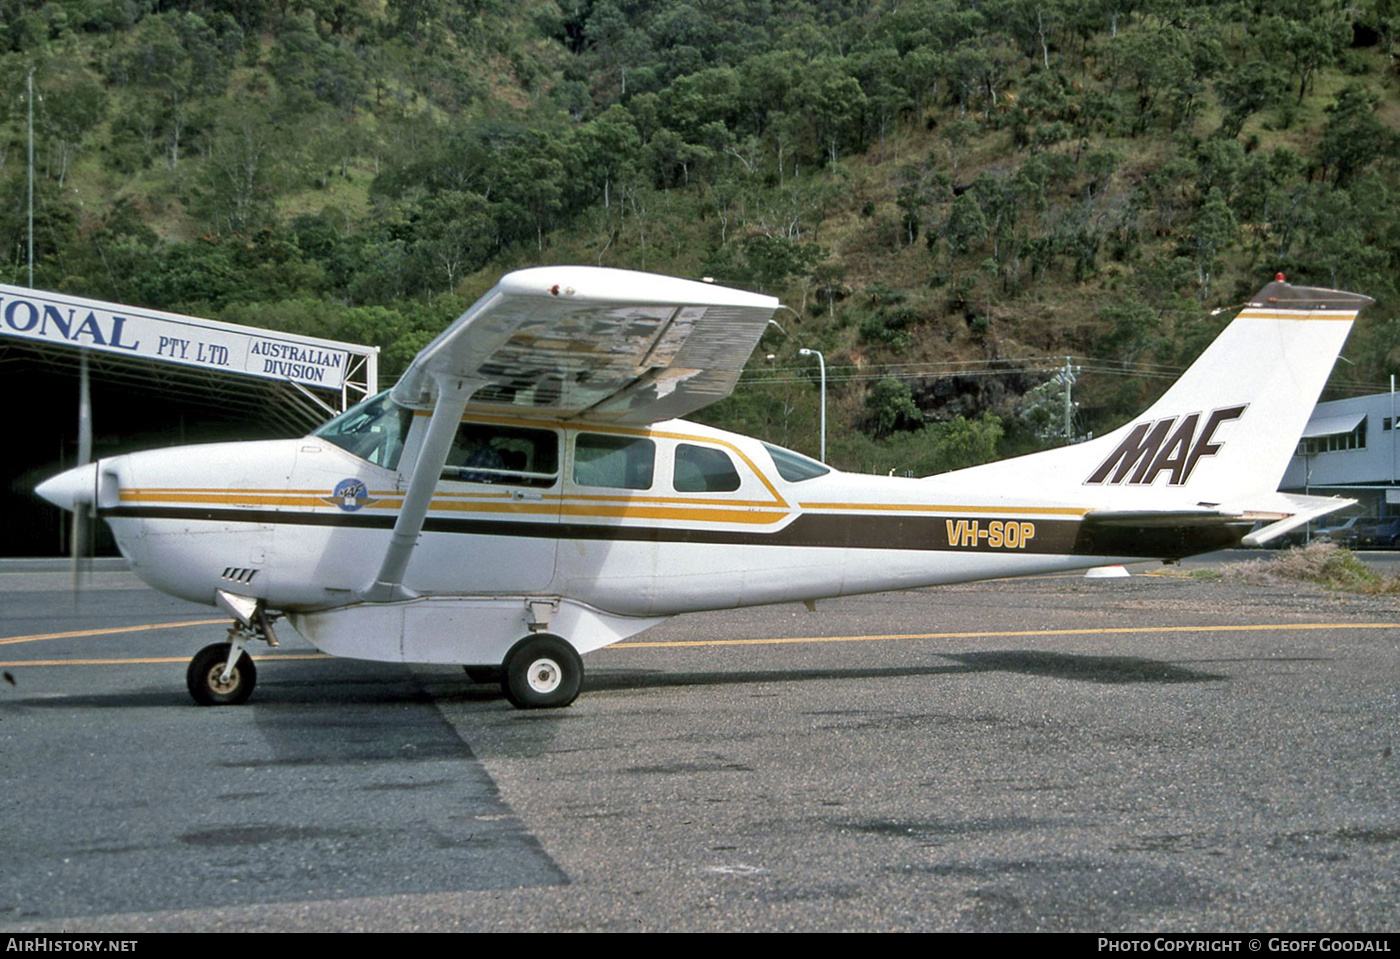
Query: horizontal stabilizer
[[1167, 518], [1309, 508]]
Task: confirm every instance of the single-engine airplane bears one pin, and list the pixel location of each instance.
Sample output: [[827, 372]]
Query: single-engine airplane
[[526, 492]]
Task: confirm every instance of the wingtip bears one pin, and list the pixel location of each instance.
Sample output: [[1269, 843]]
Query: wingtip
[[608, 284], [1280, 294]]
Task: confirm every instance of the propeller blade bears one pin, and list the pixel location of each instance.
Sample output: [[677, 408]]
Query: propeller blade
[[84, 412], [76, 548], [82, 507]]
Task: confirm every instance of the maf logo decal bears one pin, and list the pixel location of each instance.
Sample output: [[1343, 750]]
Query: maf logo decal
[[350, 495], [1172, 446]]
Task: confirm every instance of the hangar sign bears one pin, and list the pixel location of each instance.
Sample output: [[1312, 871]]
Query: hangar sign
[[112, 328]]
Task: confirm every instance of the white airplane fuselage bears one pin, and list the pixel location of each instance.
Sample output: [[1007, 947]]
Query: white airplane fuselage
[[264, 520]]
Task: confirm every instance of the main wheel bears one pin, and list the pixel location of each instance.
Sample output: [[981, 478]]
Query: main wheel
[[542, 672], [203, 677]]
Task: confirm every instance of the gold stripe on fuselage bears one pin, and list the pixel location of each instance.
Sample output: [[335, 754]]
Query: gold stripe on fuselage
[[943, 509], [679, 509], [1254, 314], [206, 497]]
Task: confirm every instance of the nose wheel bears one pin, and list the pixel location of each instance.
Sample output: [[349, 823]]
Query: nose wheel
[[222, 674], [212, 683]]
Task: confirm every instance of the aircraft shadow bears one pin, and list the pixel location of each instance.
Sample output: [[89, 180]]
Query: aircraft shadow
[[1109, 670], [291, 690]]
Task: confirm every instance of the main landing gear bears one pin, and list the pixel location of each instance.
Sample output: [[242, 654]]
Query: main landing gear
[[541, 672], [222, 674]]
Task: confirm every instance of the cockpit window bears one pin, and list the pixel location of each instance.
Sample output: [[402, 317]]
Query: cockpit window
[[794, 467], [373, 430]]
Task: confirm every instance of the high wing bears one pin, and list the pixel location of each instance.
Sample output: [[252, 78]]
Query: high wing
[[615, 345], [628, 347]]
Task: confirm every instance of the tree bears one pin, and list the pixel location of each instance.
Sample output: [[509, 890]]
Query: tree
[[239, 173], [70, 104], [611, 149], [834, 101], [1353, 136], [456, 234], [1214, 230], [957, 133], [1306, 43], [179, 57], [966, 226], [1243, 92], [890, 404]]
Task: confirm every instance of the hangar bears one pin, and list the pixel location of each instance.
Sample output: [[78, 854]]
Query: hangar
[[157, 379]]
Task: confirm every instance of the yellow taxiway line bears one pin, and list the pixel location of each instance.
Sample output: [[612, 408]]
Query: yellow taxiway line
[[148, 660], [682, 644], [1007, 634], [80, 633]]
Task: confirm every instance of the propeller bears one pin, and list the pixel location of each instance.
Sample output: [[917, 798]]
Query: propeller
[[83, 506]]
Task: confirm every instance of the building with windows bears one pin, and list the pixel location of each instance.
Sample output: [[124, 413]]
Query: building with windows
[[1349, 448]]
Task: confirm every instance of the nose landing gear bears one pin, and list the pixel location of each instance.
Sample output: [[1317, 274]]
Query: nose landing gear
[[223, 674]]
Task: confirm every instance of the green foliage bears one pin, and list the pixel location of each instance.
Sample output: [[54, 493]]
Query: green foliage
[[1075, 177], [1042, 410], [891, 406], [1353, 137], [882, 315], [936, 448]]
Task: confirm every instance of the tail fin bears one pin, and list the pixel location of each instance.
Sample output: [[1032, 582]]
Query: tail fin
[[1224, 432]]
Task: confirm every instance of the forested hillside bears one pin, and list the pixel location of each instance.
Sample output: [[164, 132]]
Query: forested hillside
[[952, 195]]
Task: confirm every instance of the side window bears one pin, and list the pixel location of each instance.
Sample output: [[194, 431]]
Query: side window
[[794, 467], [700, 469], [622, 462], [503, 454]]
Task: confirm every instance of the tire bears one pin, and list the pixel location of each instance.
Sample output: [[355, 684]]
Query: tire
[[484, 675], [542, 672], [202, 677]]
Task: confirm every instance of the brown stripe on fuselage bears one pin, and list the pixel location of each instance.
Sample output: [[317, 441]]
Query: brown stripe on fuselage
[[809, 530]]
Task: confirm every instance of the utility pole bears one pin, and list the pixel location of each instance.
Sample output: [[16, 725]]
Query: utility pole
[[1068, 377], [29, 99], [821, 362]]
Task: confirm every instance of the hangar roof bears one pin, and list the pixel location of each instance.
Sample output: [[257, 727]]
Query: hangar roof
[[284, 379]]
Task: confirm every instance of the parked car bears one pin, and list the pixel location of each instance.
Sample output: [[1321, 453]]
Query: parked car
[[1343, 533], [1377, 533]]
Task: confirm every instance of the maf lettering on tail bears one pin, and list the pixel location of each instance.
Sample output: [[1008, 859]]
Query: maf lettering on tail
[[1169, 445]]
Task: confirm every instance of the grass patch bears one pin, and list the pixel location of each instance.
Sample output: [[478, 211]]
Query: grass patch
[[1323, 563]]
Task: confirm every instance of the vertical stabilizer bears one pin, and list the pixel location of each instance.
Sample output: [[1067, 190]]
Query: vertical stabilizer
[[1225, 430]]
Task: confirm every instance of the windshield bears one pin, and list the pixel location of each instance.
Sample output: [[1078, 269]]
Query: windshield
[[794, 467], [373, 430]]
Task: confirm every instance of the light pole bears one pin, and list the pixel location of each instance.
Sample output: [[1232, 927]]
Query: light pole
[[821, 362], [29, 98]]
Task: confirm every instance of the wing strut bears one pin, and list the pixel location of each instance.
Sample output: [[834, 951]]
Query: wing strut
[[452, 395]]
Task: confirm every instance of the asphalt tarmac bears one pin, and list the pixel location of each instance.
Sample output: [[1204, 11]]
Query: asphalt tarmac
[[1165, 752]]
